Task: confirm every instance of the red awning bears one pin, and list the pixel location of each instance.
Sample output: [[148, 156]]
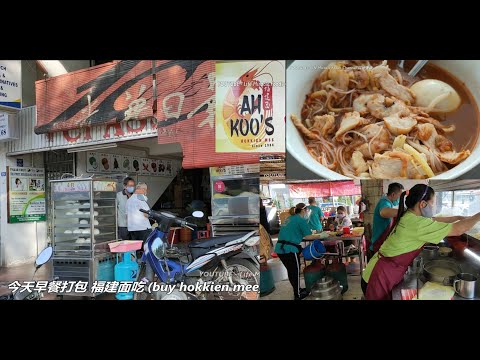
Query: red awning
[[120, 92], [324, 189]]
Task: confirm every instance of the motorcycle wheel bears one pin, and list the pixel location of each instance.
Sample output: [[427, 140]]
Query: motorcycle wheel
[[244, 272]]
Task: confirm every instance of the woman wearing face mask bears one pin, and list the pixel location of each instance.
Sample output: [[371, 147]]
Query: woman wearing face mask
[[413, 228], [342, 220], [288, 246]]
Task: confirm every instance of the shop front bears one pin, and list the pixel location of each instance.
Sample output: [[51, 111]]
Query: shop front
[[430, 229], [332, 213], [153, 121], [101, 151]]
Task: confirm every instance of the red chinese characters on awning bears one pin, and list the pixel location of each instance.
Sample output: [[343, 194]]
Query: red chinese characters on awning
[[104, 94], [324, 189], [118, 92]]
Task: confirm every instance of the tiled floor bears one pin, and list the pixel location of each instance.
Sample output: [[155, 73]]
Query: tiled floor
[[283, 289]]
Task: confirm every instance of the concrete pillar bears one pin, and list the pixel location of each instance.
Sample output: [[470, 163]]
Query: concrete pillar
[[372, 190]]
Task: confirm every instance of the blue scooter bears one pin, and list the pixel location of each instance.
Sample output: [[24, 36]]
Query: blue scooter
[[172, 273]]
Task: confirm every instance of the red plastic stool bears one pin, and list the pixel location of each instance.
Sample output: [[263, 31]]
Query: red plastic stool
[[205, 234]]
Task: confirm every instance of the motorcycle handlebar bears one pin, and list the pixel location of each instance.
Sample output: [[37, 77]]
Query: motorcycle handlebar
[[158, 216]]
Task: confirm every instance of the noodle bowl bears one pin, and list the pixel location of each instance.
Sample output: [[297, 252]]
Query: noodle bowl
[[365, 119]]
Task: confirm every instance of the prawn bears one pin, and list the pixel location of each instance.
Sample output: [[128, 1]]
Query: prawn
[[246, 84], [231, 103]]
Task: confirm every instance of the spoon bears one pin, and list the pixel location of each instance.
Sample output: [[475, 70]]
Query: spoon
[[418, 66]]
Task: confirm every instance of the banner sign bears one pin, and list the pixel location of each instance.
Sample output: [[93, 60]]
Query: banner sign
[[250, 106], [26, 194]]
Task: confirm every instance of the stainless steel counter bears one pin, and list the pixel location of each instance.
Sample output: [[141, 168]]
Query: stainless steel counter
[[467, 263], [410, 282]]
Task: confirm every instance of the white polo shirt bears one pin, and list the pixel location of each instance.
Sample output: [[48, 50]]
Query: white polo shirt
[[343, 222], [136, 220]]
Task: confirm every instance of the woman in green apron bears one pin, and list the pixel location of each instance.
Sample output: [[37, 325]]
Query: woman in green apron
[[413, 228]]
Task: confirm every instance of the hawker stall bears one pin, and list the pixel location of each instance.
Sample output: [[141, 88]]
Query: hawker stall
[[451, 268], [84, 222], [331, 251]]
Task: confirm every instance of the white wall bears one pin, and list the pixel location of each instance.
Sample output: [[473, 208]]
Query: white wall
[[156, 184], [30, 74], [74, 65], [19, 243]]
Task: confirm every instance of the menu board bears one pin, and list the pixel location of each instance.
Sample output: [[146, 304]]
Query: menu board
[[116, 163], [136, 165], [154, 166], [92, 162], [235, 170], [168, 168], [161, 168], [127, 164], [103, 163], [146, 169], [106, 163], [26, 194]]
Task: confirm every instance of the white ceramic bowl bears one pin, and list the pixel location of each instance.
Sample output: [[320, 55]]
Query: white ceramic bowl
[[300, 77]]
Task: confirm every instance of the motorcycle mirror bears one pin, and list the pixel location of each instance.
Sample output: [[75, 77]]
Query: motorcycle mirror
[[44, 256], [158, 248], [198, 214]]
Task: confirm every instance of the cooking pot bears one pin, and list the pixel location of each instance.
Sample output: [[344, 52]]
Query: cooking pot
[[326, 288], [441, 271], [445, 251], [429, 252]]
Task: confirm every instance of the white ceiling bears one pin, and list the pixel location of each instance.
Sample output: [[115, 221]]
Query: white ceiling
[[155, 148]]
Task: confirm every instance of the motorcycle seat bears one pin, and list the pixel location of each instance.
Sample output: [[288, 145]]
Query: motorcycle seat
[[215, 242]]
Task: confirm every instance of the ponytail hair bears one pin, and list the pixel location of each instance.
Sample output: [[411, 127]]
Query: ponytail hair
[[408, 200], [297, 209]]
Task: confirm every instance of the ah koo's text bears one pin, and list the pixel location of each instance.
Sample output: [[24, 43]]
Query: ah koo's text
[[245, 127]]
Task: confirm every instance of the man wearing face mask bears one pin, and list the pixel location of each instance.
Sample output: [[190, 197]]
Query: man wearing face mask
[[413, 228], [122, 197], [385, 211], [138, 223]]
